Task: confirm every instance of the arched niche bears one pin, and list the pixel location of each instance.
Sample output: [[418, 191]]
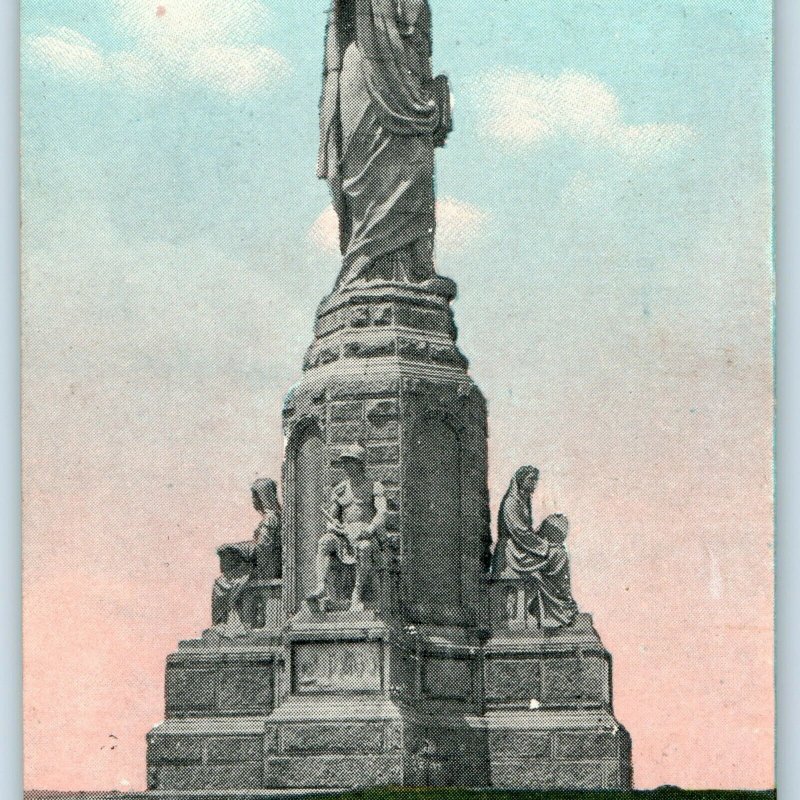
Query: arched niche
[[432, 506], [306, 489]]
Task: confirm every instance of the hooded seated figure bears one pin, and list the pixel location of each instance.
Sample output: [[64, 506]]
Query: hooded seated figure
[[535, 556], [267, 536], [244, 562]]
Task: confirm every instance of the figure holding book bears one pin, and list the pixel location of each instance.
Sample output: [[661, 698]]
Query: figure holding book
[[535, 555]]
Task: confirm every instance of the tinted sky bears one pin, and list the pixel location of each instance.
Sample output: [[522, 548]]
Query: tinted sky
[[605, 209]]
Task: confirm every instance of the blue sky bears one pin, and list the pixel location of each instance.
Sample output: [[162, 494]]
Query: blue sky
[[249, 157], [176, 161], [606, 212]]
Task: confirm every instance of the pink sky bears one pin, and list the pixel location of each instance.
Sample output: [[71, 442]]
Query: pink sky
[[674, 563]]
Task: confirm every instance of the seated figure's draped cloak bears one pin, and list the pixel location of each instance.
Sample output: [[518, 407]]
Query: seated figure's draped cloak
[[378, 117], [520, 550], [522, 553]]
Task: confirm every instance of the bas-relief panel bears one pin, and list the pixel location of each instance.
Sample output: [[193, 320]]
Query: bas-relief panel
[[433, 502], [337, 667]]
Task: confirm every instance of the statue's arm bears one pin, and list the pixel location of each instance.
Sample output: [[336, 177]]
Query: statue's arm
[[381, 509], [333, 513], [441, 94]]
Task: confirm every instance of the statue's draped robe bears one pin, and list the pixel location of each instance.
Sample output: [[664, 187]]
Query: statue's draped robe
[[242, 562], [381, 116], [522, 553], [267, 555], [267, 547], [227, 592]]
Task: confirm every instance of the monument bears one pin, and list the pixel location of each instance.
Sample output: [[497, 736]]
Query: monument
[[378, 640]]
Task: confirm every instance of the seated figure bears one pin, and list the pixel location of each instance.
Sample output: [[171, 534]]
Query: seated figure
[[267, 536], [356, 517], [236, 564], [535, 556], [233, 608]]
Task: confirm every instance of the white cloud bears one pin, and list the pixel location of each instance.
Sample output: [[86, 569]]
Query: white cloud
[[324, 233], [211, 43], [524, 109], [236, 70], [67, 51], [457, 223]]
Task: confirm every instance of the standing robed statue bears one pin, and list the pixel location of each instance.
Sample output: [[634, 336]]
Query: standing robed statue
[[382, 114]]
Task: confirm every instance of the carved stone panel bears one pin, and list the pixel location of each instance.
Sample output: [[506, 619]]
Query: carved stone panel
[[446, 678], [245, 690], [335, 771], [587, 745], [513, 681], [233, 749], [337, 667], [316, 738], [310, 483], [177, 749], [185, 777], [190, 690], [524, 773], [574, 681], [432, 505]]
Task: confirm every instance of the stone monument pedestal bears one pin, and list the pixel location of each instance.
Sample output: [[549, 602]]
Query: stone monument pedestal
[[564, 749], [321, 711], [444, 677], [548, 708], [336, 726], [218, 699]]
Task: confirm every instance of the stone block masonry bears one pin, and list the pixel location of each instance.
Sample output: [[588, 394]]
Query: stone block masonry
[[444, 677]]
